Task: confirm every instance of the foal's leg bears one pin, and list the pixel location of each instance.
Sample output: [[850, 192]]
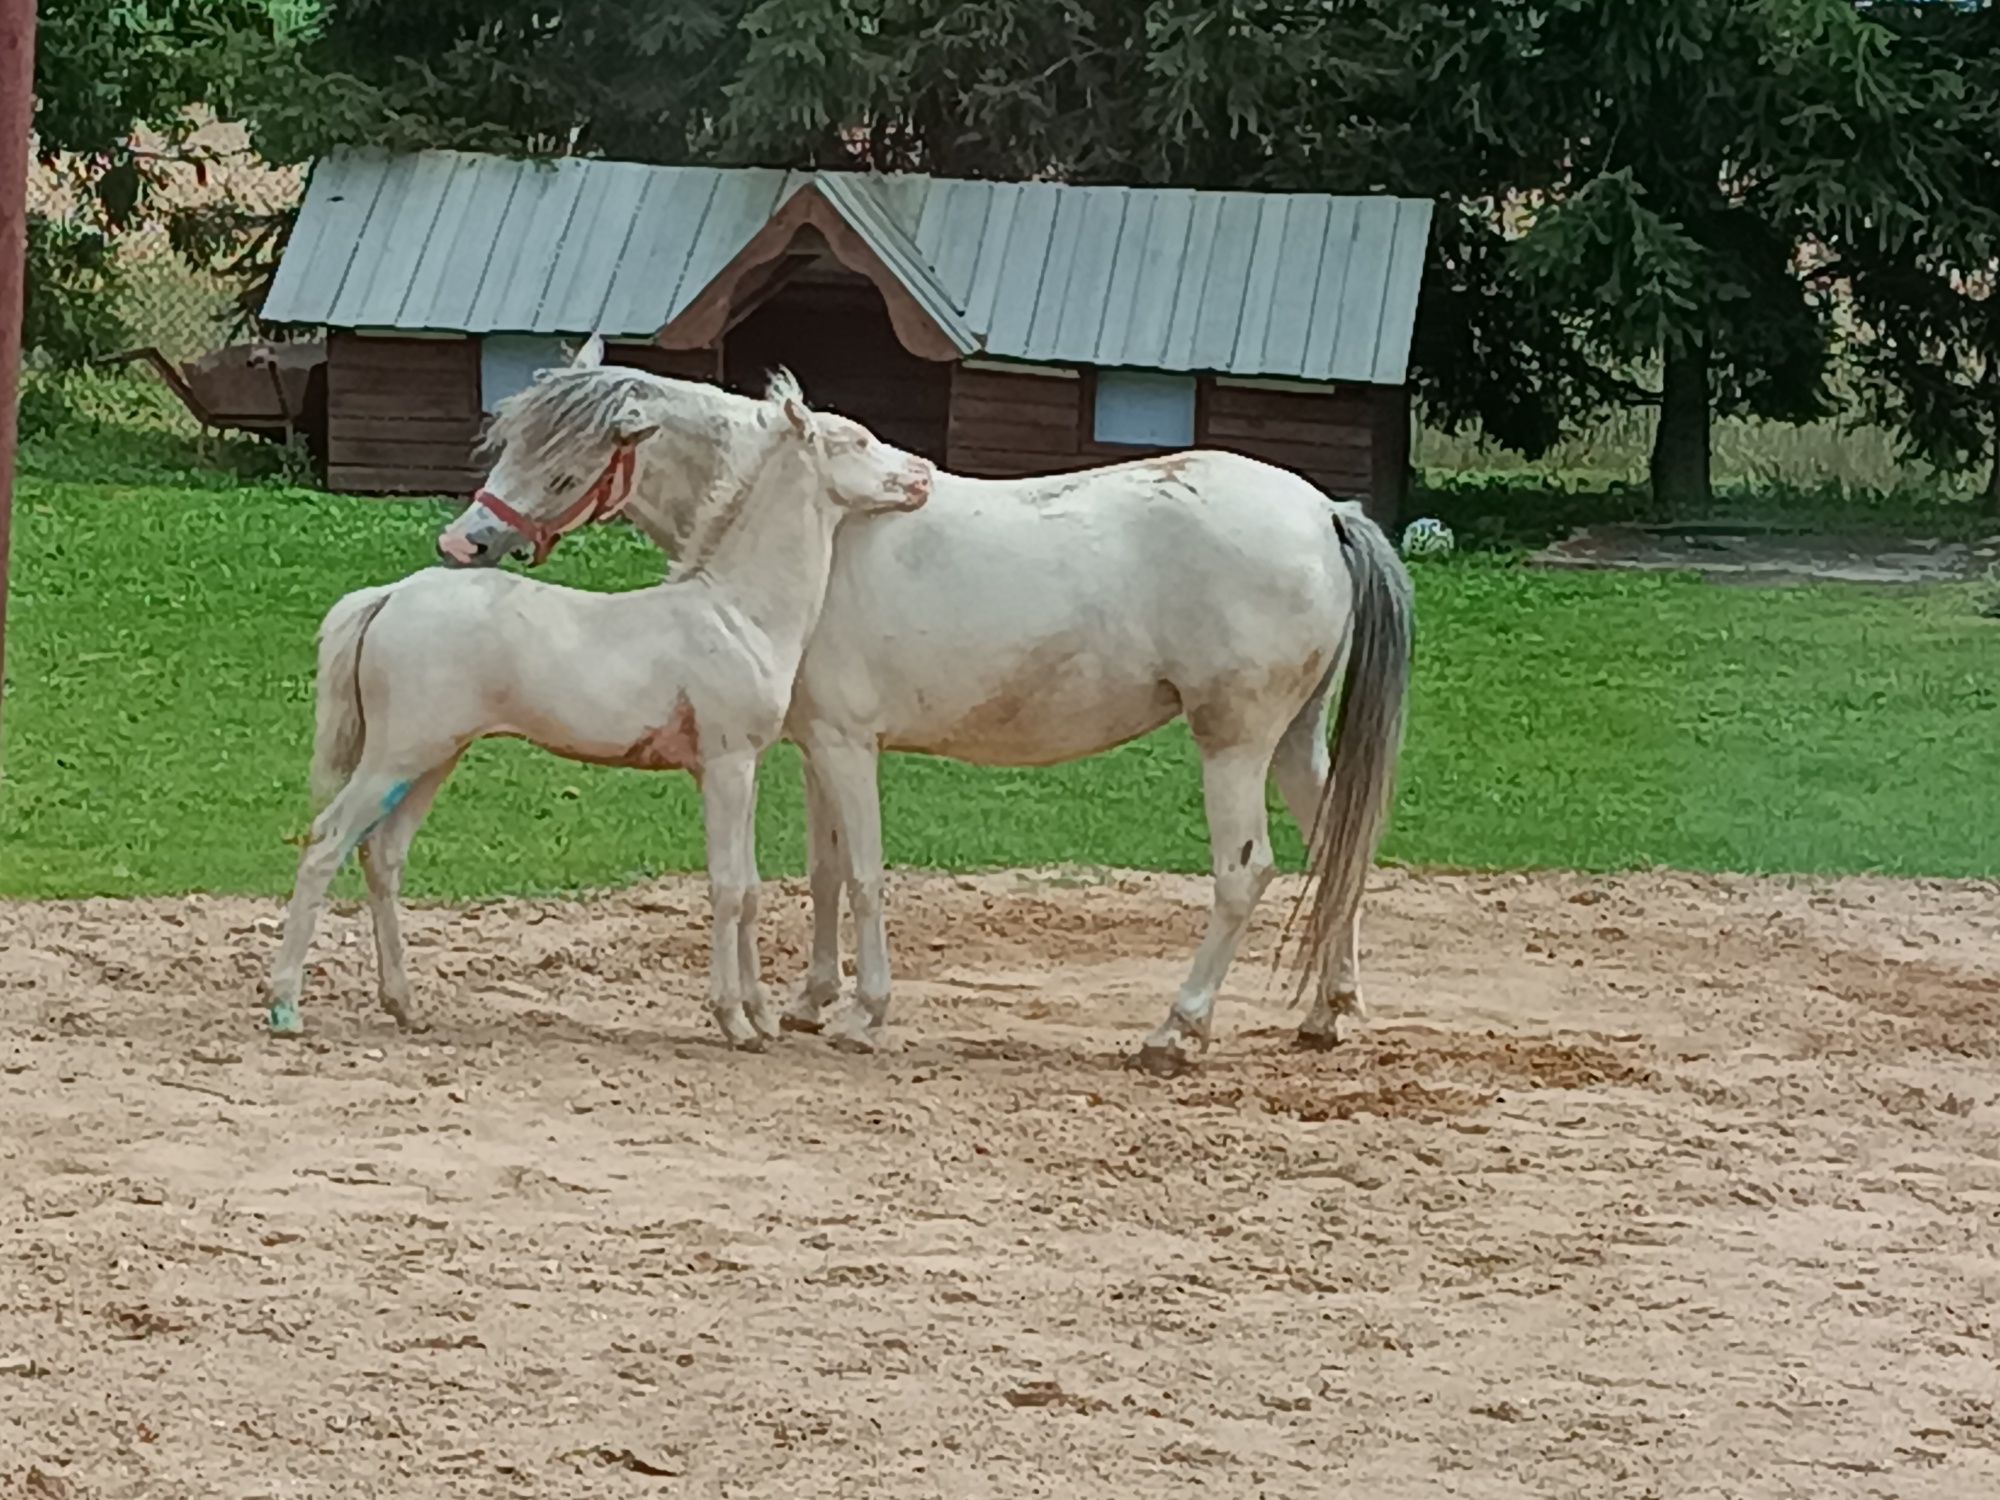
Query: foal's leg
[[728, 785], [368, 797], [1239, 836], [827, 869], [384, 855], [1301, 768], [850, 784], [757, 1007]]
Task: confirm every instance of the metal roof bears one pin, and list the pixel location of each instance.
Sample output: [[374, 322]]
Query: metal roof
[[1306, 286]]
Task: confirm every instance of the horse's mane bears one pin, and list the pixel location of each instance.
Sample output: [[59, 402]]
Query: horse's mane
[[561, 420]]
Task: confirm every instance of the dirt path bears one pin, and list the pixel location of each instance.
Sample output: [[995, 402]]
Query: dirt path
[[1648, 1187]]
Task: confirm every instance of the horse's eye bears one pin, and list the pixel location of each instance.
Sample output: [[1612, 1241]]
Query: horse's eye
[[565, 483]]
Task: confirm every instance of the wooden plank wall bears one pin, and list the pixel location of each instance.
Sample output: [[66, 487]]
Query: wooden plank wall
[[679, 364], [1353, 442], [1004, 426], [1328, 438], [402, 415]]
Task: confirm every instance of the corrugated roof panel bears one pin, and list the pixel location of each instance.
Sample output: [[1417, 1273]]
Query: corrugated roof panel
[[1122, 286], [1162, 255], [1045, 330], [440, 263], [743, 202], [1360, 323], [559, 221], [406, 213], [957, 221], [1310, 287], [936, 219], [1399, 304], [1193, 282], [523, 248], [587, 260], [1289, 320], [1021, 269], [1080, 321], [351, 294], [900, 195], [475, 241], [332, 224], [1260, 284], [996, 251], [1336, 258], [1221, 312], [647, 293]]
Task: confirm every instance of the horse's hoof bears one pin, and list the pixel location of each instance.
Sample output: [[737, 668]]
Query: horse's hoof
[[1160, 1061], [809, 1025], [1316, 1041], [855, 1040], [285, 1021], [749, 1044]]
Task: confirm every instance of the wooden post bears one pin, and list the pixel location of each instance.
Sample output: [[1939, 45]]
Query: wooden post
[[17, 119]]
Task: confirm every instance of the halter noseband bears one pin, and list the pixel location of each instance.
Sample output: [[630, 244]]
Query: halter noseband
[[603, 500]]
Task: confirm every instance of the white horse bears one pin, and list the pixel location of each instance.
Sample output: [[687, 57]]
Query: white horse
[[1035, 621], [693, 674]]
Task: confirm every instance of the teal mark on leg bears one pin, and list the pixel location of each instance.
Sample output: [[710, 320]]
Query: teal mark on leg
[[391, 800], [284, 1015]]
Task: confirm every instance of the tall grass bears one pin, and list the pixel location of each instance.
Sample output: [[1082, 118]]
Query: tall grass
[[1842, 455]]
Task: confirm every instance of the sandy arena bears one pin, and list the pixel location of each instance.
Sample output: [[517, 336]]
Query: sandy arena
[[1661, 1186]]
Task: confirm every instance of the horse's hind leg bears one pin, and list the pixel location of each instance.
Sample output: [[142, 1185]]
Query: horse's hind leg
[[353, 814], [384, 855], [827, 869], [1301, 767], [1240, 841]]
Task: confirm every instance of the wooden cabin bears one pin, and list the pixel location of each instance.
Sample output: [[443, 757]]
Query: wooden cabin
[[998, 328]]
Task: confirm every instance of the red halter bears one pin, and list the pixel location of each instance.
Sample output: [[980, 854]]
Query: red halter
[[603, 500]]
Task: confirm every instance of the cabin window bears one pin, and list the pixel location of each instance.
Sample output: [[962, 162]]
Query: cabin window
[[1144, 409], [509, 362]]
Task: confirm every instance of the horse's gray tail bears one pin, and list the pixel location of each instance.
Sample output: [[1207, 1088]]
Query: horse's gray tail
[[1366, 737], [339, 728]]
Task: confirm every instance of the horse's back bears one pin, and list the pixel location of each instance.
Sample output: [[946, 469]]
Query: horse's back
[[1034, 621]]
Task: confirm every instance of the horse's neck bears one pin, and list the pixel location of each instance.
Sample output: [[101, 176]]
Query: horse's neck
[[683, 473], [775, 556]]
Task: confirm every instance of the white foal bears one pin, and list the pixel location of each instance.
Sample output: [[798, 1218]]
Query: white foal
[[1034, 621], [694, 674]]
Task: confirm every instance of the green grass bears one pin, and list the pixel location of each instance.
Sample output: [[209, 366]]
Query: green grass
[[159, 714]]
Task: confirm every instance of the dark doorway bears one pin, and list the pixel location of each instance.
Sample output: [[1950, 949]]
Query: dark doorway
[[836, 338]]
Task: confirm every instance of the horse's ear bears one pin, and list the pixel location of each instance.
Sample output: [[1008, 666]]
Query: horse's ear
[[591, 355], [798, 416], [633, 424]]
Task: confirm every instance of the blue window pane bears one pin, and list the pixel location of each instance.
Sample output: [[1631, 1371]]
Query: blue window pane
[[1145, 409]]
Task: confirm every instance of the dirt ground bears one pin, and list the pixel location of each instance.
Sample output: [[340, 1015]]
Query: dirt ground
[[1644, 1187], [1746, 554]]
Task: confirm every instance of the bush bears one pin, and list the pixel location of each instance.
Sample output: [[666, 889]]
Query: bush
[[75, 294]]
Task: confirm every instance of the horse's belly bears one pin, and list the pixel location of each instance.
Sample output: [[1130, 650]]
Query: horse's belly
[[1031, 719]]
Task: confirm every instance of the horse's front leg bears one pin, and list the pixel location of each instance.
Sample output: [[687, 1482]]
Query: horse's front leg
[[757, 1007], [827, 873], [728, 797], [847, 772]]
